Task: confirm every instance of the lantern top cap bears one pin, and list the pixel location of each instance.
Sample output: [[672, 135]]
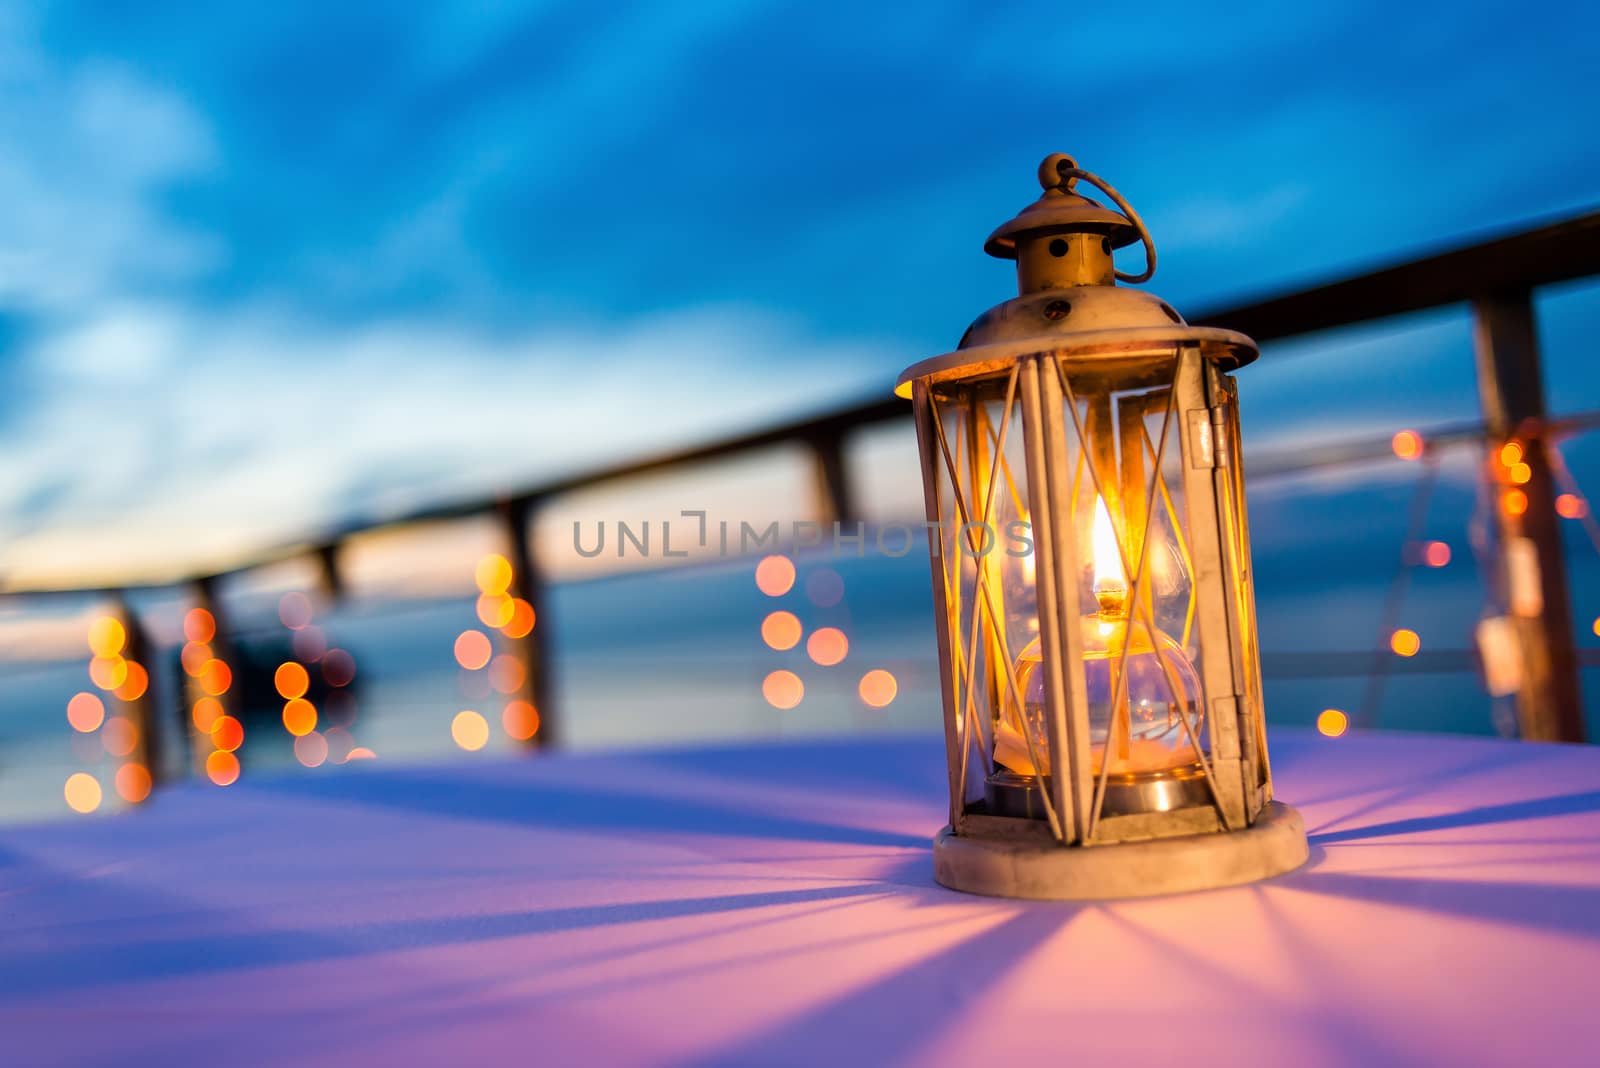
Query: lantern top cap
[[1062, 209]]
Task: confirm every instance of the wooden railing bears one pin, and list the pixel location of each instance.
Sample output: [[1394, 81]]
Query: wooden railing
[[1496, 277]]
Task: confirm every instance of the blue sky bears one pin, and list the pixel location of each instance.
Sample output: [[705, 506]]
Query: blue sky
[[266, 266]]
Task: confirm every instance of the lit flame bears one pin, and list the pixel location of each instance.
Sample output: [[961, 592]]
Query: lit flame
[[1110, 580]]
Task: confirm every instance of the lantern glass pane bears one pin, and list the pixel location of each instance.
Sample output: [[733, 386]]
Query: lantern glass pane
[[1236, 531], [988, 563], [1136, 610]]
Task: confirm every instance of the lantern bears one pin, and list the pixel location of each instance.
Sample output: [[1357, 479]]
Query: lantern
[[1091, 574]]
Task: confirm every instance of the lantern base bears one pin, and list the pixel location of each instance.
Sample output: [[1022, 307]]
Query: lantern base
[[1274, 844]]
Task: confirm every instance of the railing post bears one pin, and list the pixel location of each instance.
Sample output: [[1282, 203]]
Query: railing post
[[1510, 384], [143, 707], [833, 479], [535, 649], [329, 577]]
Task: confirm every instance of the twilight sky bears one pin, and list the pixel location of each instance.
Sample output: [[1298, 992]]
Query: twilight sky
[[265, 267]]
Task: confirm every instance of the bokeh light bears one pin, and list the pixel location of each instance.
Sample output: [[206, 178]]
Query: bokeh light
[[227, 734], [311, 749], [775, 575], [294, 609], [206, 712], [493, 574], [1520, 473], [136, 684], [1514, 502], [520, 720], [133, 783], [108, 672], [309, 644], [473, 649], [107, 636], [119, 736], [1407, 444], [222, 768], [215, 677], [827, 646], [781, 630], [878, 688], [506, 674], [82, 792], [199, 625], [520, 625], [338, 668], [361, 752], [1405, 642], [824, 587], [1511, 453], [194, 657], [85, 712], [1332, 722], [783, 689], [1436, 554], [291, 680], [495, 610], [299, 716], [470, 730], [1570, 506]]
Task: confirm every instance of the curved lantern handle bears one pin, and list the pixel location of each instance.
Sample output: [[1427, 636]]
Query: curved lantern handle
[[1069, 172]]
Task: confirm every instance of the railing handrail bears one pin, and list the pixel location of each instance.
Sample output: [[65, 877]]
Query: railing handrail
[[1561, 250]]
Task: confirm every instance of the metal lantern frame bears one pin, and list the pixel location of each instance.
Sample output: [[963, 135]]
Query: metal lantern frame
[[1120, 403]]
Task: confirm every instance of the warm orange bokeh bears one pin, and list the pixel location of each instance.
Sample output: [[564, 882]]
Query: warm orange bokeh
[[878, 688], [520, 719], [294, 610], [85, 712], [506, 674], [522, 619], [215, 677], [783, 689], [119, 736], [107, 636], [108, 672], [199, 626], [82, 792], [299, 716], [133, 783], [1570, 506], [311, 749], [194, 657], [470, 730], [291, 681], [222, 768], [1436, 554], [1514, 502], [781, 630], [473, 649], [1405, 642], [493, 574], [495, 610], [1332, 722], [1510, 453], [1407, 444], [775, 575], [134, 686], [827, 646], [227, 734], [207, 711], [1520, 473]]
